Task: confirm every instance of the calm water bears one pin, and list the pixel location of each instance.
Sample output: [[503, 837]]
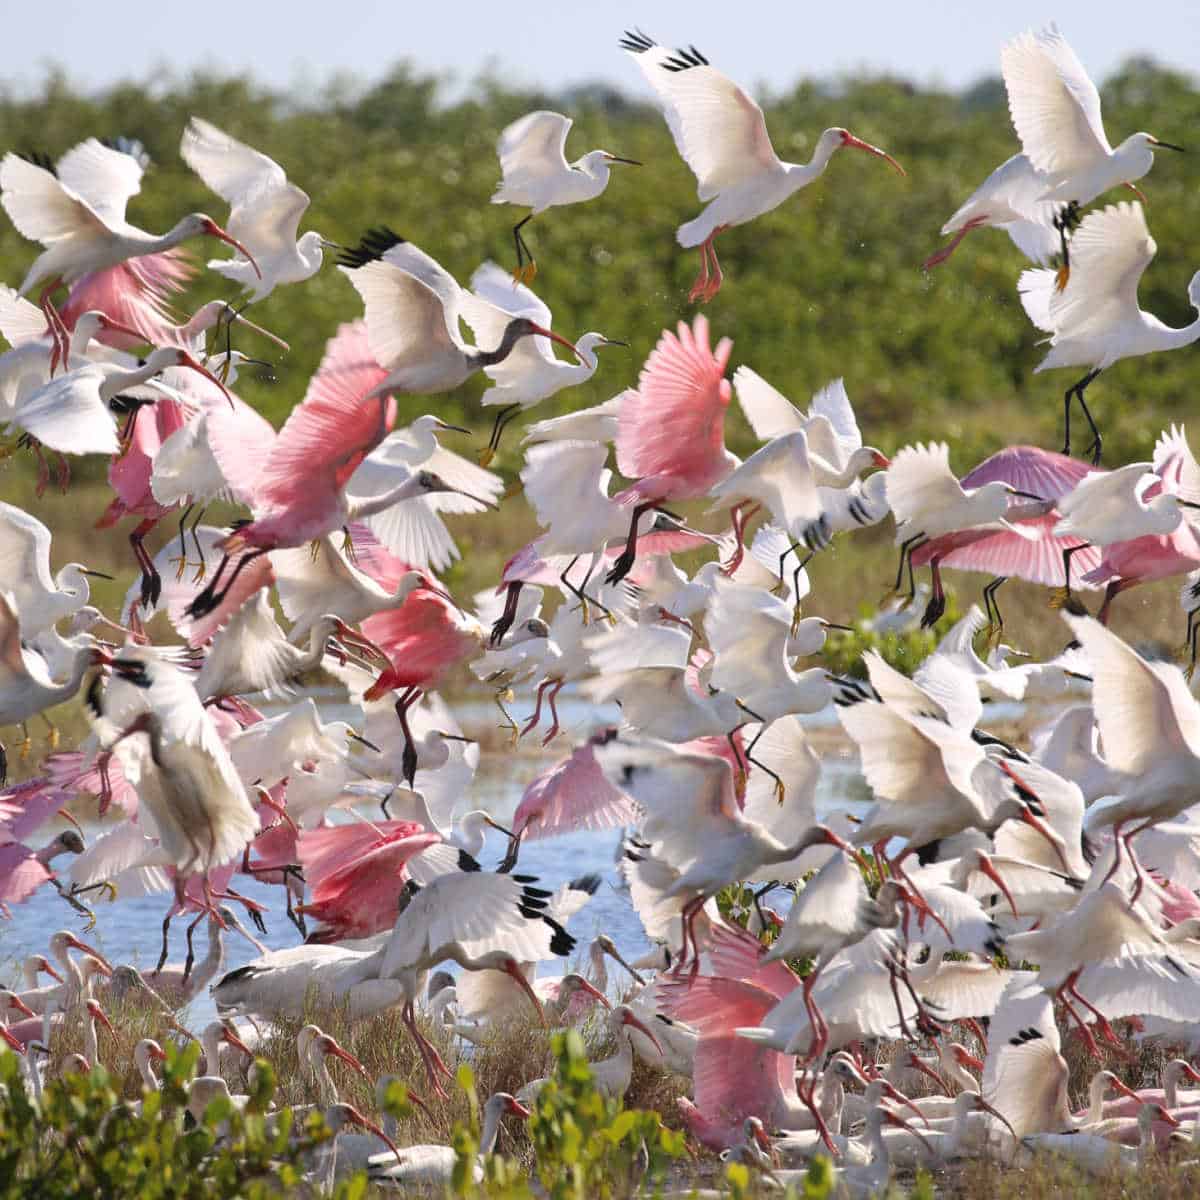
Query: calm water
[[129, 929]]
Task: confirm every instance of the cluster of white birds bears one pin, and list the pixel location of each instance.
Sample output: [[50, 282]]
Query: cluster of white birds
[[973, 847]]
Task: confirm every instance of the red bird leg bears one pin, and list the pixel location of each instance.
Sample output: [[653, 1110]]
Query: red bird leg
[[43, 475], [904, 1029], [940, 256], [922, 904], [55, 327], [1106, 1030], [508, 616], [1086, 1033], [701, 284], [537, 708], [552, 732], [739, 520], [977, 1029], [820, 1032], [1139, 877], [715, 277], [627, 557]]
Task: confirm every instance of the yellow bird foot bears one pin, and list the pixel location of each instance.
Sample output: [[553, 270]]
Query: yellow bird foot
[[314, 548], [585, 613], [889, 596], [26, 748], [52, 737], [514, 489], [1062, 276], [1190, 669], [180, 562], [611, 618], [780, 791], [348, 548], [529, 273], [201, 572], [486, 455], [90, 923], [795, 620], [1059, 597]]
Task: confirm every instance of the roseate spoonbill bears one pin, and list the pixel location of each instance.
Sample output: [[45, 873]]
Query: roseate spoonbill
[[42, 598], [536, 175], [929, 502], [1034, 555], [26, 688], [265, 210], [721, 134], [670, 434], [530, 373], [23, 870], [413, 305], [434, 1166], [1095, 320], [188, 786], [1010, 198], [77, 211], [1150, 725]]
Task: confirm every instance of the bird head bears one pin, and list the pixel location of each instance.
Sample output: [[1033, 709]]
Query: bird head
[[1155, 144], [201, 225], [94, 322], [520, 327], [430, 482]]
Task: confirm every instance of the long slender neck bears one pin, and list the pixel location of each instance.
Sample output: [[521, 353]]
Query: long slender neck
[[801, 174], [357, 509], [489, 358], [118, 381], [1170, 338], [329, 1092], [491, 1131], [1096, 1099], [211, 964], [149, 1079]]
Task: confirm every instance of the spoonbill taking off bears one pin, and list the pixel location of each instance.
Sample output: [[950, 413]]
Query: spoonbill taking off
[[79, 216], [1095, 320], [265, 210], [536, 174], [1055, 110], [722, 135]]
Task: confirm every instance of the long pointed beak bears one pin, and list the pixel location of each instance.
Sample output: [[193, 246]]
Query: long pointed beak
[[15, 1001], [900, 1098], [630, 1019], [615, 342], [850, 140], [446, 427], [595, 993], [633, 162], [833, 625], [1028, 496], [967, 1059], [1169, 146], [236, 1042], [1170, 1119], [989, 869], [517, 1109], [94, 574], [11, 1041], [614, 953], [1119, 1085], [356, 1118], [348, 1058], [48, 968], [188, 361], [358, 737], [497, 826], [259, 329], [84, 948], [924, 1069], [527, 987], [983, 1104], [480, 499], [1048, 834], [101, 1016], [555, 337], [214, 230], [259, 946]]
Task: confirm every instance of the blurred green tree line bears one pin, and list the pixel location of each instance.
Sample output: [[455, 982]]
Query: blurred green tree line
[[829, 284]]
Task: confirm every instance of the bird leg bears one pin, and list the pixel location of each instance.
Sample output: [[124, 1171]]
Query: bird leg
[[429, 1055], [820, 1031], [708, 283], [191, 953], [210, 598], [1138, 875], [937, 601], [182, 559], [503, 417], [1111, 592], [893, 971], [552, 732], [995, 625], [1116, 862], [525, 272], [627, 557], [1106, 1030], [505, 621], [780, 790], [1065, 222], [917, 899], [740, 520], [151, 580], [537, 708], [906, 549], [201, 566], [1061, 596], [940, 256], [581, 592], [408, 759], [514, 730], [59, 335], [1077, 389], [701, 284], [43, 475]]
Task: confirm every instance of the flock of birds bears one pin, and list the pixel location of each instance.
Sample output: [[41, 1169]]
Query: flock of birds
[[974, 852]]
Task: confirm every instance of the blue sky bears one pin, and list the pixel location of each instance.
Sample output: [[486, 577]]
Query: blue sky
[[303, 41]]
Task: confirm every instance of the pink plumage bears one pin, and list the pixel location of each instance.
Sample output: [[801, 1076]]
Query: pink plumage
[[425, 639], [671, 428]]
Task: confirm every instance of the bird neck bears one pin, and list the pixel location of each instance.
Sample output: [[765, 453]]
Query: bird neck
[[489, 358], [491, 1131], [369, 505], [801, 174], [118, 381], [1167, 337]]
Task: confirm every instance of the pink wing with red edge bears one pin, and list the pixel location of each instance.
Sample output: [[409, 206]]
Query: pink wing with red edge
[[324, 850], [421, 638], [671, 429], [67, 769], [733, 1078], [373, 558], [136, 293], [20, 873], [737, 954], [1040, 473], [573, 795], [361, 898]]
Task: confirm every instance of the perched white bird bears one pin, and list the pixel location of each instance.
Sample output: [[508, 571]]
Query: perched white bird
[[536, 174], [721, 134], [1095, 320], [265, 210]]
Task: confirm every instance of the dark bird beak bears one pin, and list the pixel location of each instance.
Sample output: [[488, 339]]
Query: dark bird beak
[[1169, 146], [633, 162], [101, 574]]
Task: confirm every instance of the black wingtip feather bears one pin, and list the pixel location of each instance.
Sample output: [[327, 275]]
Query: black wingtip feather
[[562, 943], [467, 863], [589, 883], [636, 42], [39, 158], [372, 246]]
